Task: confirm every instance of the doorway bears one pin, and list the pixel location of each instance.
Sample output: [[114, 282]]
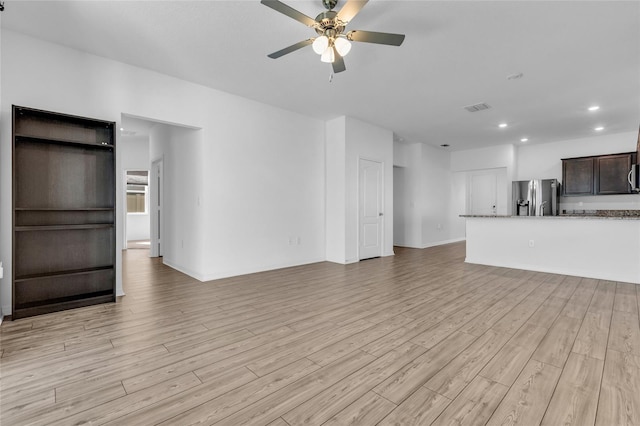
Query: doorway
[[482, 192], [370, 208], [136, 202]]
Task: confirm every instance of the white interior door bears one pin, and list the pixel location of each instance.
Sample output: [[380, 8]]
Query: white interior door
[[370, 209], [483, 190], [156, 185]]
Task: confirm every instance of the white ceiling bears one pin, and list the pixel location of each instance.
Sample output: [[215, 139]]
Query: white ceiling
[[572, 53]]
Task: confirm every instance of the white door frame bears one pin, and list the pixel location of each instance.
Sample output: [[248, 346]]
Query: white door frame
[[156, 209], [382, 204], [124, 202], [124, 210]]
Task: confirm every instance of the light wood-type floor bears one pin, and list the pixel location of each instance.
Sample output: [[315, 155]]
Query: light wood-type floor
[[418, 338]]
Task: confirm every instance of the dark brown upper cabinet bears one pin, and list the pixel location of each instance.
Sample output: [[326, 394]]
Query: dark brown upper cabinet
[[597, 175], [611, 174], [577, 176], [63, 212]]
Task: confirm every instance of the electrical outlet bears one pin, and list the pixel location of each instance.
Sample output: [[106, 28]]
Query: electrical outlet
[[439, 226], [532, 243], [298, 240]]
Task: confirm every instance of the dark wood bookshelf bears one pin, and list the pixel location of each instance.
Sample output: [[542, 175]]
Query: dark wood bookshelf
[[66, 273], [103, 145], [62, 227], [47, 209], [63, 211]]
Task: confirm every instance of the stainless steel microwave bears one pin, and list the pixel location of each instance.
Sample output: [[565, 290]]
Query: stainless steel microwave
[[634, 178]]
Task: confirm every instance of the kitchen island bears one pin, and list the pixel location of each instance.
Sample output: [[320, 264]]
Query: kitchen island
[[595, 246]]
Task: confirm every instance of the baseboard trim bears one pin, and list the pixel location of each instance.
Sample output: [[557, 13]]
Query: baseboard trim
[[433, 244], [239, 272], [444, 242], [3, 314], [184, 270]]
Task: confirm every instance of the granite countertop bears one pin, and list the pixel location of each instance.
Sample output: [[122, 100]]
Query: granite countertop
[[576, 214]]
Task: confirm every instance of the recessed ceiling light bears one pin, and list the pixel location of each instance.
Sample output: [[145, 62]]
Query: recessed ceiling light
[[502, 125], [122, 129], [599, 129], [524, 140], [594, 108]]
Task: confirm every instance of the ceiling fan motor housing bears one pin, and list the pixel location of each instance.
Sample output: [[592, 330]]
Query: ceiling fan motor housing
[[329, 24]]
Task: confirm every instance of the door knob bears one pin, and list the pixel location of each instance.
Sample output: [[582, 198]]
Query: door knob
[[380, 214]]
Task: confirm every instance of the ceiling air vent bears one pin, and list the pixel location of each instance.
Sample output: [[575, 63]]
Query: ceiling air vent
[[477, 107]]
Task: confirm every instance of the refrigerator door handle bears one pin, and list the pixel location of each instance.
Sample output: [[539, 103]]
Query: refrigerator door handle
[[542, 206], [534, 198]]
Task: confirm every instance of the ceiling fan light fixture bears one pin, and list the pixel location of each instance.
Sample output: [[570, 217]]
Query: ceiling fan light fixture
[[328, 55], [332, 41], [320, 44], [343, 46]]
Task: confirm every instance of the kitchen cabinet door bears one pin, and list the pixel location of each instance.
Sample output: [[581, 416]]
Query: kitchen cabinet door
[[577, 176], [611, 174]]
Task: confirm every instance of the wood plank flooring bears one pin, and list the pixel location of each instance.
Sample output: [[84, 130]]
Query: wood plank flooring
[[420, 338]]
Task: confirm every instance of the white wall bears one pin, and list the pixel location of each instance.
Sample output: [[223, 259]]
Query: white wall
[[493, 157], [458, 205], [138, 227], [261, 167], [369, 142], [264, 189], [408, 210], [401, 205], [347, 141], [400, 154], [544, 161], [135, 156], [181, 151], [335, 175], [436, 201], [425, 212]]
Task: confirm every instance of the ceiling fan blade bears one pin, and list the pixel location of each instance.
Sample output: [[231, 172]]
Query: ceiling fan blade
[[338, 63], [289, 11], [351, 9], [375, 37], [292, 48]]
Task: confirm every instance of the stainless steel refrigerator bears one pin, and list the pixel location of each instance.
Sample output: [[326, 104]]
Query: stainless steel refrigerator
[[536, 197]]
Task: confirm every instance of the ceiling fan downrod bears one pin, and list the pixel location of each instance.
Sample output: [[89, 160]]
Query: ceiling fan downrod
[[329, 4]]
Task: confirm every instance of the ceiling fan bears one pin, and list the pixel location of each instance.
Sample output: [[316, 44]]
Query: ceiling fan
[[332, 43]]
